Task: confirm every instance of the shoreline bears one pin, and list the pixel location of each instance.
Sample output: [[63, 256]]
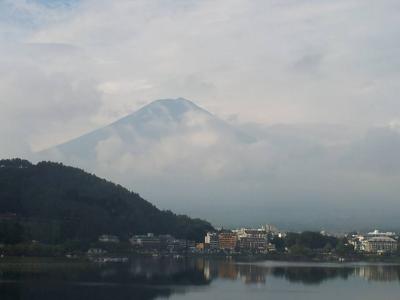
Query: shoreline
[[238, 259]]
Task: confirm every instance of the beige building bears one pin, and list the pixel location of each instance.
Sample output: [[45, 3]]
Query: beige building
[[379, 244], [227, 240]]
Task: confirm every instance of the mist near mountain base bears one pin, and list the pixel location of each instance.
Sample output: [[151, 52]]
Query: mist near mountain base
[[181, 157]]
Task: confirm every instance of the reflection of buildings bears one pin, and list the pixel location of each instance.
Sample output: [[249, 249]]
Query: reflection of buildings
[[379, 273], [308, 274], [227, 271], [311, 274], [207, 270], [160, 277], [220, 269], [248, 273], [253, 274]]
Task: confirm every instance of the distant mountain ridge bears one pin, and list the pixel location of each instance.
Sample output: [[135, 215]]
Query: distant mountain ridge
[[56, 203]]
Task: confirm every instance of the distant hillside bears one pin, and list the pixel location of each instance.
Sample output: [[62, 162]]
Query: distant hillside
[[55, 203]]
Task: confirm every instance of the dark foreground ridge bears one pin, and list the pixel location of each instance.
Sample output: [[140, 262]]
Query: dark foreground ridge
[[53, 203]]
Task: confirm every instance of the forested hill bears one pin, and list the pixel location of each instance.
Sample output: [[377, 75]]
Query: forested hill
[[55, 203]]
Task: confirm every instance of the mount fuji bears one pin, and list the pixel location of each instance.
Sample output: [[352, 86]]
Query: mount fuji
[[155, 122]]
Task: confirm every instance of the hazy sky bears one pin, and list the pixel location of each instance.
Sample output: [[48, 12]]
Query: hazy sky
[[67, 67]]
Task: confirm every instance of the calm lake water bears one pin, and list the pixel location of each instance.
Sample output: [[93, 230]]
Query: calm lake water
[[160, 278]]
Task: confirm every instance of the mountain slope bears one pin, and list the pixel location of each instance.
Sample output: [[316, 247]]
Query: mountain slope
[[57, 203], [157, 120]]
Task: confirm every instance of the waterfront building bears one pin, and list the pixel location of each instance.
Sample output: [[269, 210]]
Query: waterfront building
[[254, 244], [254, 240], [211, 241], [379, 244], [148, 241], [179, 245], [227, 240]]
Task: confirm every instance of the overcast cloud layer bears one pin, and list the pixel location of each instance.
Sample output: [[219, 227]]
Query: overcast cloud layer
[[317, 82]]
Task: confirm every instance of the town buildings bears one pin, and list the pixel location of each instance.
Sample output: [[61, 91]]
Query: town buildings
[[245, 240], [250, 241]]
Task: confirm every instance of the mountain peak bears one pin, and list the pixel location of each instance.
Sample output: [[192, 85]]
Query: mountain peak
[[165, 109], [175, 106], [173, 101], [152, 123]]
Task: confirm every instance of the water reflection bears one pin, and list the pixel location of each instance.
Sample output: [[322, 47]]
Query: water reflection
[[149, 278], [379, 273], [309, 274]]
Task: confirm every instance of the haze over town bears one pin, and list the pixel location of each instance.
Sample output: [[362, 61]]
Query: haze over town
[[281, 112]]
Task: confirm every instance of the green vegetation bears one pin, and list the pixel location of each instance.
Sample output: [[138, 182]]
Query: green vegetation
[[55, 204], [310, 240], [309, 244]]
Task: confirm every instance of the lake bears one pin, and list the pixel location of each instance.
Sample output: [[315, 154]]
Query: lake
[[200, 278]]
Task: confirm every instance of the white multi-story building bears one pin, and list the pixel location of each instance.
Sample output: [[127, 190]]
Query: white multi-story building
[[252, 239], [379, 244], [211, 241]]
